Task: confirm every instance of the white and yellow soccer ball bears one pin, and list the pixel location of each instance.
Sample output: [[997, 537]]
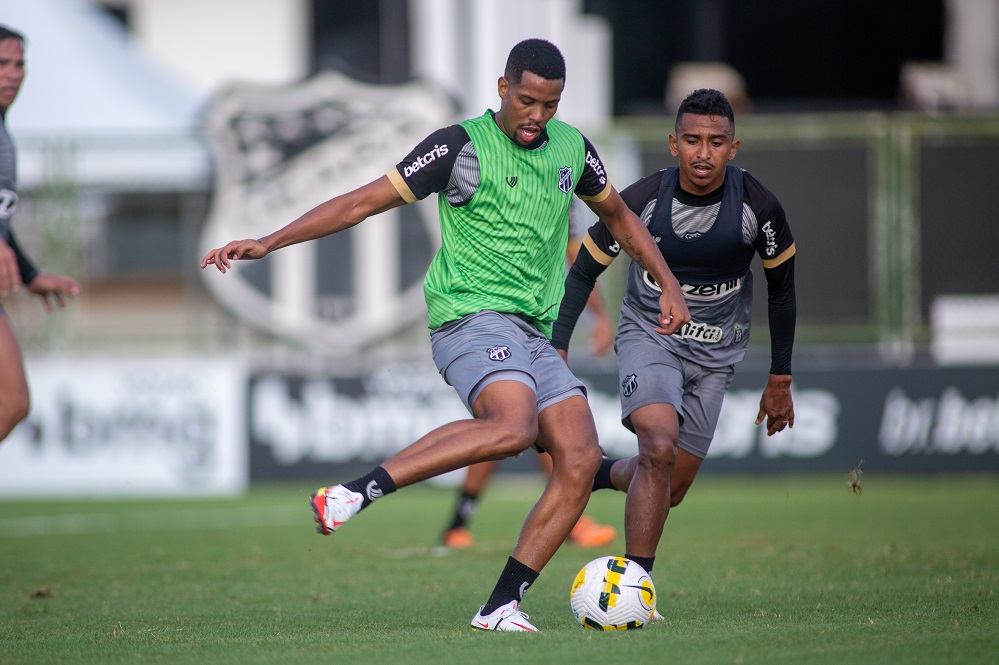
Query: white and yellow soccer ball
[[612, 593]]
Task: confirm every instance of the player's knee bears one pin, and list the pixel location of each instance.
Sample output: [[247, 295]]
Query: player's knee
[[588, 460], [657, 452], [677, 490], [577, 466], [514, 438]]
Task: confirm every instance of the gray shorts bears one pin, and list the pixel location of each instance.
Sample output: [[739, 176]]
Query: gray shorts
[[650, 374], [486, 347]]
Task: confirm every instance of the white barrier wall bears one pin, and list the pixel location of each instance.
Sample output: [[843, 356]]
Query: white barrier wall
[[194, 427], [129, 427]]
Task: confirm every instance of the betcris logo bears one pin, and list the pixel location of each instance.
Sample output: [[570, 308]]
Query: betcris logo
[[771, 236], [598, 168], [424, 160]]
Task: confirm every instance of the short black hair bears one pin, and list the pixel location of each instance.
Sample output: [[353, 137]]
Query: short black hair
[[706, 101], [538, 56], [10, 33]]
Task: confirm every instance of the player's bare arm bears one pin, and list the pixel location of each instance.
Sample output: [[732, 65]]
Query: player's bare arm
[[776, 405], [337, 214], [10, 276], [634, 239]]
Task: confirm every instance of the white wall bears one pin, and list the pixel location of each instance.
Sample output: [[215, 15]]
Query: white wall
[[462, 45], [211, 43], [972, 47]]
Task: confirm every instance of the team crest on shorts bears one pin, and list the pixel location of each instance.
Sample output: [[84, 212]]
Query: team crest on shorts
[[498, 353], [281, 150], [629, 385], [565, 179]]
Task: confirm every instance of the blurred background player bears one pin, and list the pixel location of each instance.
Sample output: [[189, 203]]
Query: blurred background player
[[15, 266], [587, 532], [504, 181], [672, 387]]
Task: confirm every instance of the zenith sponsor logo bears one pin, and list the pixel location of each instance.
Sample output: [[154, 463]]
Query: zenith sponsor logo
[[597, 166], [650, 282], [711, 291], [424, 160]]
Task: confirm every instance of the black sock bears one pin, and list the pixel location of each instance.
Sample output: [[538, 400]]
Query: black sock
[[602, 481], [645, 562], [512, 584], [373, 485], [464, 510]]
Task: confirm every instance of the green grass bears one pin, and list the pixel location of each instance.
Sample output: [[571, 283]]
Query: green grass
[[792, 569]]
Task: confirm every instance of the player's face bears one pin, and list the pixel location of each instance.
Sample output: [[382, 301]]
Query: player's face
[[703, 145], [526, 107], [11, 70]]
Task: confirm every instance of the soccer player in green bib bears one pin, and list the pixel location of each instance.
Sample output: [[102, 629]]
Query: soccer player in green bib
[[504, 183]]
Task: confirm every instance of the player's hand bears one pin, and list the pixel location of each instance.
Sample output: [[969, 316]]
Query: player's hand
[[776, 404], [53, 288], [673, 313], [237, 250], [10, 274], [601, 336]]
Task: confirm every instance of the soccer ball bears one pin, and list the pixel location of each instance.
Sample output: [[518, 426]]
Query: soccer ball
[[612, 593]]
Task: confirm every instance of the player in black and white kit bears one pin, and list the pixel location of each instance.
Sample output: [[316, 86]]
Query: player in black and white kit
[[15, 266], [672, 386]]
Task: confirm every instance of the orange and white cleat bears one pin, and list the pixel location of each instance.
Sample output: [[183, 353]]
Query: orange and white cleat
[[458, 538], [506, 618], [333, 506], [589, 533]]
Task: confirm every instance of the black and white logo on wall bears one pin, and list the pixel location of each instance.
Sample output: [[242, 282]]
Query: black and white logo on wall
[[282, 150]]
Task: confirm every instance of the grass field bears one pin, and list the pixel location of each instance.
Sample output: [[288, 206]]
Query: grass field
[[784, 569]]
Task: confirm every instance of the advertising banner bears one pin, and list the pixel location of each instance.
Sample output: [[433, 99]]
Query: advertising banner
[[129, 427], [895, 420]]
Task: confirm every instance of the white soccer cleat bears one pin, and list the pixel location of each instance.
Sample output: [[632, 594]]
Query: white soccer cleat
[[506, 617], [333, 506]]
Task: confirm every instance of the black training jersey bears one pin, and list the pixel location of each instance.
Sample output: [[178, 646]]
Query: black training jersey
[[712, 264]]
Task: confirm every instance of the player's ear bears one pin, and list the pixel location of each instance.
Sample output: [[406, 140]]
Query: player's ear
[[734, 149], [503, 87], [674, 149]]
